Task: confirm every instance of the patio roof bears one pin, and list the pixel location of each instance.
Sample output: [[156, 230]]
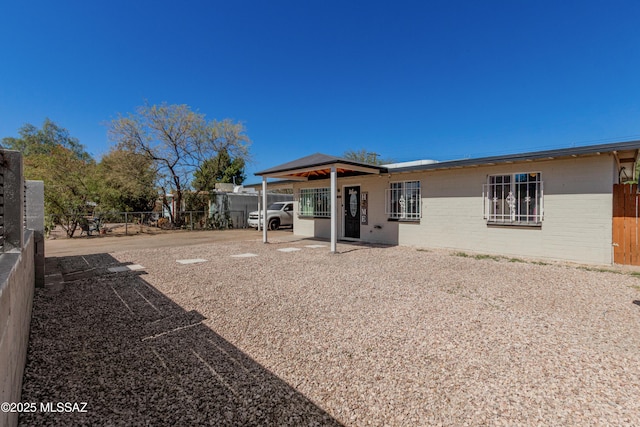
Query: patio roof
[[317, 166]]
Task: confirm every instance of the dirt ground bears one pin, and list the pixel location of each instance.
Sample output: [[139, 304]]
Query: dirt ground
[[62, 246]]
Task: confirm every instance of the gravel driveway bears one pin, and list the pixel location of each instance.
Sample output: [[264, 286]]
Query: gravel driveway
[[369, 336]]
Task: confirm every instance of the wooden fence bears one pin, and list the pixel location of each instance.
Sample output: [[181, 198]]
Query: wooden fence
[[626, 226]]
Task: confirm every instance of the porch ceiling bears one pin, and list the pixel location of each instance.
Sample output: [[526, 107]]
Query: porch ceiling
[[318, 166]]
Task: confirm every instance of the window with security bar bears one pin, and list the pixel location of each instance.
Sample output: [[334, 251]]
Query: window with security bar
[[514, 199], [403, 200], [314, 202]]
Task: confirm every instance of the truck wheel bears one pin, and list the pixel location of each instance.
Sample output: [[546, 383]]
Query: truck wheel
[[274, 224]]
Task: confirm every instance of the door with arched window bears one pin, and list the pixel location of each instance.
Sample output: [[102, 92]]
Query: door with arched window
[[352, 212]]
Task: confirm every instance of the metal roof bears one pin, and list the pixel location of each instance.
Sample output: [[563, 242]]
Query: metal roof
[[318, 165], [522, 157]]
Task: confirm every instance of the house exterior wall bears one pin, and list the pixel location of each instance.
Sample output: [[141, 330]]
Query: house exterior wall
[[577, 222]]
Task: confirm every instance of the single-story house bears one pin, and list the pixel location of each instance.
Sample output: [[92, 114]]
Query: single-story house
[[555, 204]]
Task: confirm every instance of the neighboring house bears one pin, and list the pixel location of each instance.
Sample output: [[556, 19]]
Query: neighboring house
[[229, 204], [555, 204]]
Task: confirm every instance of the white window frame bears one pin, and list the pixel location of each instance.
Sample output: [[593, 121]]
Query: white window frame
[[512, 201], [403, 200], [314, 202]]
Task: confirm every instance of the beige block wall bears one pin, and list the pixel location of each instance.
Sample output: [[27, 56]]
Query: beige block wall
[[17, 281], [577, 224]]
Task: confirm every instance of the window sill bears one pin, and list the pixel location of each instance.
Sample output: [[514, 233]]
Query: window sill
[[313, 217], [515, 224], [407, 220]]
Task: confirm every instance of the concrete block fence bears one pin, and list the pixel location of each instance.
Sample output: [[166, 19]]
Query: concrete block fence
[[21, 270]]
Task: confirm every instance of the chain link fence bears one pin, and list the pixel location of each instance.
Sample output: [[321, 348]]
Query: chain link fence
[[130, 223], [226, 210]]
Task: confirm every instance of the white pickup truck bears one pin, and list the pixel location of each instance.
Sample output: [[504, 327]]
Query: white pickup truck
[[278, 214]]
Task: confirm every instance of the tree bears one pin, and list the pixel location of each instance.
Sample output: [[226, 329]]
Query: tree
[[128, 182], [365, 156], [218, 169], [52, 155], [41, 141], [177, 140]]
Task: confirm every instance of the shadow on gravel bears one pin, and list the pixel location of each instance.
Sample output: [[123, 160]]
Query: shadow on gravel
[[135, 357]]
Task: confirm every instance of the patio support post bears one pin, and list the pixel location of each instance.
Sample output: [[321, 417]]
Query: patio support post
[[259, 209], [264, 210], [334, 209]]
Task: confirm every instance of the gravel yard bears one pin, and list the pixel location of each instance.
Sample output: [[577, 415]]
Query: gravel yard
[[369, 336]]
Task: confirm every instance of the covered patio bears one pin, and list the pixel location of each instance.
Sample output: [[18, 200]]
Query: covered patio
[[317, 166]]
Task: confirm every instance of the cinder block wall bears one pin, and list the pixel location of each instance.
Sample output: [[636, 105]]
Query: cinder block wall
[[17, 279]]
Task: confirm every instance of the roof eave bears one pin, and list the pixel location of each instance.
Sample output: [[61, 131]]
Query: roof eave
[[338, 164], [592, 150]]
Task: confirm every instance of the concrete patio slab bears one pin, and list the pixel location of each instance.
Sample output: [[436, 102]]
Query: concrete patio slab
[[122, 268], [191, 261]]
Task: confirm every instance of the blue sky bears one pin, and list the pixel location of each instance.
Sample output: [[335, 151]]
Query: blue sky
[[406, 79]]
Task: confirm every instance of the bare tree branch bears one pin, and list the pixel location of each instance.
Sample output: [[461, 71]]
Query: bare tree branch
[[177, 140]]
